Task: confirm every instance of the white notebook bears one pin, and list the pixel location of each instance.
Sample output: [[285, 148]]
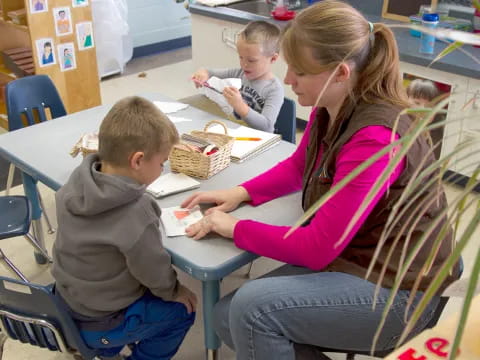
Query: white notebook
[[172, 183], [245, 149]]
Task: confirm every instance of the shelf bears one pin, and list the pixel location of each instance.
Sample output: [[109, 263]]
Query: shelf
[[3, 116], [16, 26]]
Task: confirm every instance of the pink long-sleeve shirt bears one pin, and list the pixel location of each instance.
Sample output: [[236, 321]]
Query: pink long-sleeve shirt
[[312, 245]]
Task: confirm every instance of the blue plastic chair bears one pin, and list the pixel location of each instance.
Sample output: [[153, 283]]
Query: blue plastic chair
[[25, 97], [31, 93], [286, 124], [15, 221], [32, 314]]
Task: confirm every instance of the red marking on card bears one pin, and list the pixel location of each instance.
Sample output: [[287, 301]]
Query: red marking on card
[[180, 214]]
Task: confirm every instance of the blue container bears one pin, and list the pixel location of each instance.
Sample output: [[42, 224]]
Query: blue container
[[427, 41]]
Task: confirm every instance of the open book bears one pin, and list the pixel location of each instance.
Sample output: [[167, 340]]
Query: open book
[[249, 142], [172, 183]]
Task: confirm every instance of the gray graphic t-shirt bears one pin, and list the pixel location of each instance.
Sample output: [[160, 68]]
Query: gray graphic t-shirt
[[264, 97]]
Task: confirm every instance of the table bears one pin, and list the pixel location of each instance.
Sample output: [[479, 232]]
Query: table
[[41, 152]]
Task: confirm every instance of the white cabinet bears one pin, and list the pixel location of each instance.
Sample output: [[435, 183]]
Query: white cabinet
[[463, 117], [213, 46], [469, 159]]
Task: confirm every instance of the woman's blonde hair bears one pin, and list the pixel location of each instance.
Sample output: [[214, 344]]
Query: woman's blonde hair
[[334, 32]]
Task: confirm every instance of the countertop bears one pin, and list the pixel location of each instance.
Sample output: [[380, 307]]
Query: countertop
[[456, 62]]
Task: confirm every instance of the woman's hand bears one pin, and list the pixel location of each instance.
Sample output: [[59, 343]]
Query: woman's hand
[[217, 221], [199, 77], [226, 200], [234, 98], [187, 298]]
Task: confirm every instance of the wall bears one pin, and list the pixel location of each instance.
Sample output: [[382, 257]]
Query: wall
[[154, 21]]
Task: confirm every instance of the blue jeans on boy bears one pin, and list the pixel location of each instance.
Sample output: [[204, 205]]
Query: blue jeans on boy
[[157, 327], [268, 318]]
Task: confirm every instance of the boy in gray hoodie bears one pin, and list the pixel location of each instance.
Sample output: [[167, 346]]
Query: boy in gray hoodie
[[109, 263]]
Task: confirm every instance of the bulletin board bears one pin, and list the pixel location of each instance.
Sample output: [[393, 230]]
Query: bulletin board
[[402, 9], [63, 26]]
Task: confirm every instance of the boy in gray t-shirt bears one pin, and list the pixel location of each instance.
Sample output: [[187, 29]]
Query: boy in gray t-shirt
[[260, 98]]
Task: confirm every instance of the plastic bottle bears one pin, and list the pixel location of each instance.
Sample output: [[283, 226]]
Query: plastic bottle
[[427, 41]]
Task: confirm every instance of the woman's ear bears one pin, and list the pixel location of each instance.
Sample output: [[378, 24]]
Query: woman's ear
[[344, 72]]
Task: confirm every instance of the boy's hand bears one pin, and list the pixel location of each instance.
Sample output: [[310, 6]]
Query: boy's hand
[[218, 221], [187, 298], [199, 77], [234, 98]]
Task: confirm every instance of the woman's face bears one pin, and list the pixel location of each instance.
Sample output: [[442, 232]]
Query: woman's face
[[307, 87]]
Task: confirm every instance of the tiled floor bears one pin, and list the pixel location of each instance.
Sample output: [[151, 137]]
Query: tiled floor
[[171, 80]]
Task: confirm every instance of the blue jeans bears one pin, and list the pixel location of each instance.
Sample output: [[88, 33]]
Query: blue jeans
[[157, 327], [266, 317]]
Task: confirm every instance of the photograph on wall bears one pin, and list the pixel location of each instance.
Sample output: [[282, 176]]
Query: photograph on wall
[[63, 21], [45, 53], [85, 35], [38, 6], [79, 3], [66, 56]]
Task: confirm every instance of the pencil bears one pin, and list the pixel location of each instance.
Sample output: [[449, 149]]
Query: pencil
[[248, 138]]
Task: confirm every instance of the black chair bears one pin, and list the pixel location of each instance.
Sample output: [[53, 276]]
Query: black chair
[[286, 124], [32, 314]]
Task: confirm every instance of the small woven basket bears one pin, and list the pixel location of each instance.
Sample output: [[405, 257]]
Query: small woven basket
[[185, 160], [87, 144]]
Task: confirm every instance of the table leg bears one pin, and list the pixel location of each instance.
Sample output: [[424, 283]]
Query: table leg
[[30, 187], [211, 294]]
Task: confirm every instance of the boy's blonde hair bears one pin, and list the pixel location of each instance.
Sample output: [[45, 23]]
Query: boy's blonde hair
[[134, 124], [422, 89], [264, 34]]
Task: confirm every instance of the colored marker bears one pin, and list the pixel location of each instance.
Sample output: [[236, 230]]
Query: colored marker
[[207, 85], [248, 138]]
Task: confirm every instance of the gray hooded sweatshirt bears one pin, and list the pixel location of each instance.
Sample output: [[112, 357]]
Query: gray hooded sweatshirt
[[109, 248]]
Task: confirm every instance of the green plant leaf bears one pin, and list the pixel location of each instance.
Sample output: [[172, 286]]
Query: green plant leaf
[[449, 49]]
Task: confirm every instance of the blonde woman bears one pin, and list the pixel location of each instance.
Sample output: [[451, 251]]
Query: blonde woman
[[347, 69]]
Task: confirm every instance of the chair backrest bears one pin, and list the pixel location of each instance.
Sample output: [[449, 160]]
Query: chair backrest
[[28, 93], [286, 124], [32, 314]]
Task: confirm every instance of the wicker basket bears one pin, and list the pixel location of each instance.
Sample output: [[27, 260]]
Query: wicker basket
[[87, 144], [199, 165]]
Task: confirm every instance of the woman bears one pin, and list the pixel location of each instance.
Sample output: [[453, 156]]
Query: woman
[[348, 70]]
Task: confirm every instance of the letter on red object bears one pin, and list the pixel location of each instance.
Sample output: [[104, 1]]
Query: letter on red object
[[435, 345], [409, 355]]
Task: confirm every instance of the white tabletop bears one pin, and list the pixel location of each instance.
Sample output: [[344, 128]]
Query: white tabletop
[[42, 151]]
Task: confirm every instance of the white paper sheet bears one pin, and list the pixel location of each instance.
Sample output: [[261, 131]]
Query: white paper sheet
[[176, 219], [170, 107], [178, 119], [220, 84]]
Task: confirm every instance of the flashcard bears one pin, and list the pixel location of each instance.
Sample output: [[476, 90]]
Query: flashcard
[[66, 56], [45, 53], [63, 21]]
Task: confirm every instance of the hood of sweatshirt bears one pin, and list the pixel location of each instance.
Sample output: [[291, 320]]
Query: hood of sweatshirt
[[91, 192]]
